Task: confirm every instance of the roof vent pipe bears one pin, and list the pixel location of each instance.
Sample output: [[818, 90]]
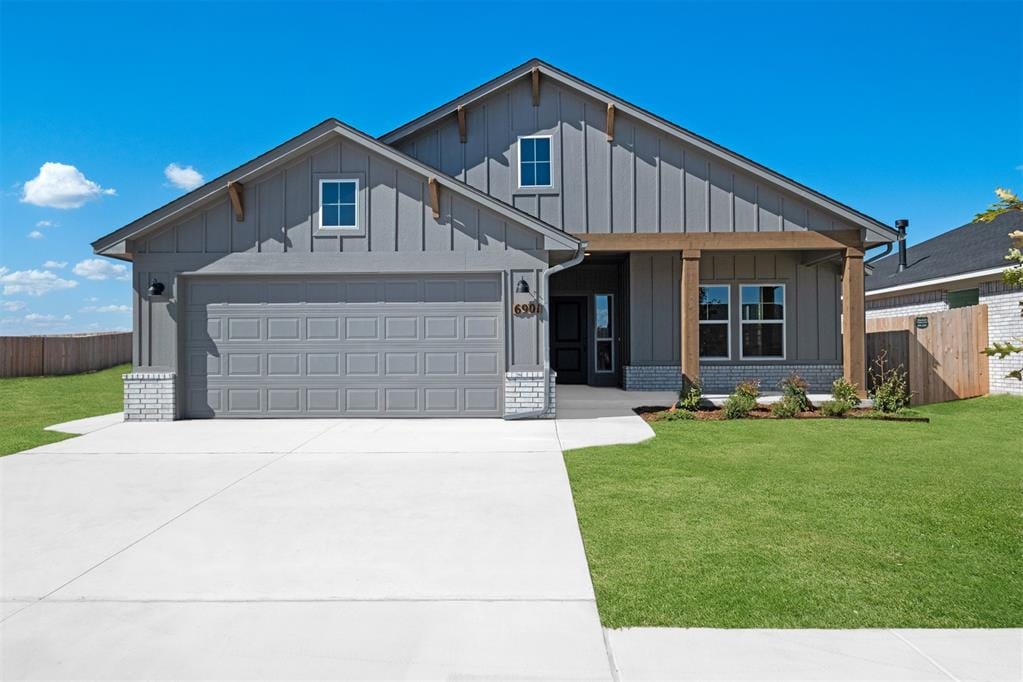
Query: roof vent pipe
[[901, 226]]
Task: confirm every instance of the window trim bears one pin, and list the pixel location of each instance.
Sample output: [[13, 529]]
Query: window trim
[[518, 162], [611, 338], [784, 321], [357, 227], [727, 321]]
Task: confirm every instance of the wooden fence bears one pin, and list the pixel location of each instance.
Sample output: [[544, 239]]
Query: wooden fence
[[941, 352], [23, 356]]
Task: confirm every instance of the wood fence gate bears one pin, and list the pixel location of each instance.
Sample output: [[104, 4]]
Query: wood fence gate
[[941, 352]]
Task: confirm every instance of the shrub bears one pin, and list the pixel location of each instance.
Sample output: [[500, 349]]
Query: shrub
[[795, 388], [749, 388], [739, 405], [889, 393], [689, 399], [835, 408], [787, 407], [846, 392], [678, 415]]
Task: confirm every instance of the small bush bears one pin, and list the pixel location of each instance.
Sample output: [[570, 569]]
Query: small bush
[[749, 388], [678, 415], [787, 407], [846, 392], [796, 388], [689, 399], [739, 405], [835, 408], [890, 393]]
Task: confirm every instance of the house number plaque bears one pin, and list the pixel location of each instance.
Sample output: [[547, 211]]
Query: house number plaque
[[526, 308]]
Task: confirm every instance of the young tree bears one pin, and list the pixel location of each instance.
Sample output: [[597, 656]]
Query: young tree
[[1013, 275]]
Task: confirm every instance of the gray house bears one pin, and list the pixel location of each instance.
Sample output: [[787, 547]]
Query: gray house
[[958, 268], [535, 227]]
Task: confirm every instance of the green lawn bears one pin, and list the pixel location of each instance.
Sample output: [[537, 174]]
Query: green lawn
[[27, 404], [810, 523]]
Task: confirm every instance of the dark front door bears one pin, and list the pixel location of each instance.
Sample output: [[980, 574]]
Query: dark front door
[[569, 338]]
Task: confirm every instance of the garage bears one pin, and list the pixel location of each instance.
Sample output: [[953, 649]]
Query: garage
[[352, 346]]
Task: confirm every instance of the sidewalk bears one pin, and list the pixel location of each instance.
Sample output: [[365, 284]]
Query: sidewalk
[[705, 654]]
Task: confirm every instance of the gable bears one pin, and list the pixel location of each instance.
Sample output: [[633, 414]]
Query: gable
[[280, 200], [650, 177]]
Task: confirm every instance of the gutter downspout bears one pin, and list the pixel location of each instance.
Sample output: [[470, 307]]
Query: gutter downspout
[[545, 277], [887, 250]]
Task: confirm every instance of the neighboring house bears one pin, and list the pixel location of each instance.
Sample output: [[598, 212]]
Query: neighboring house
[[341, 275], [961, 267]]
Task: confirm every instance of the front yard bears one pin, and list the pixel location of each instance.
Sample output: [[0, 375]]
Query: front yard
[[27, 404], [810, 523]]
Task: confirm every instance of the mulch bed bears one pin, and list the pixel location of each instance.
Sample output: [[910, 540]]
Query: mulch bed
[[656, 413]]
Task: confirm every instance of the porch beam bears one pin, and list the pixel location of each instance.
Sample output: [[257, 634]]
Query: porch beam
[[724, 241], [689, 333], [853, 319]]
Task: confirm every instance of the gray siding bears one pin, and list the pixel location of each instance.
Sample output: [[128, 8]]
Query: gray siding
[[812, 305], [643, 181], [277, 237]]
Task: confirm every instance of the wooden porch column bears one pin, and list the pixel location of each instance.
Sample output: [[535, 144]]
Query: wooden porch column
[[853, 319], [689, 300]]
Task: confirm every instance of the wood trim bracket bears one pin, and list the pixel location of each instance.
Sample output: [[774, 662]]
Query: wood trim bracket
[[610, 121], [462, 133], [434, 197], [535, 75], [236, 191]]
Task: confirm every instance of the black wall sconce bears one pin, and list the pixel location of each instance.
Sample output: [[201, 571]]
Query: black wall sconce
[[522, 287], [156, 288]]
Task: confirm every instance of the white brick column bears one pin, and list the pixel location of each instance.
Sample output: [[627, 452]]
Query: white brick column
[[523, 392], [149, 397]]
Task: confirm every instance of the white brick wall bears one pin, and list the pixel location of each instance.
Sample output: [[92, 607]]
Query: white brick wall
[[1003, 323], [149, 396], [523, 392], [911, 304]]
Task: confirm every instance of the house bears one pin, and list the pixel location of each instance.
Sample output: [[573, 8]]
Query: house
[[535, 228], [959, 268]]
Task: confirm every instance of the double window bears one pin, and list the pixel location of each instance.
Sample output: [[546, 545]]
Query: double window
[[535, 161], [339, 204], [762, 321]]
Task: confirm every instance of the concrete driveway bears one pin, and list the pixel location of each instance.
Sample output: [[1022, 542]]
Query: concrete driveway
[[296, 550]]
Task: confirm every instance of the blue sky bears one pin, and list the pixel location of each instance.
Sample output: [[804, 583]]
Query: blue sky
[[908, 109]]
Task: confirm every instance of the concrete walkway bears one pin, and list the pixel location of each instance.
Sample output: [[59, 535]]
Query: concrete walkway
[[296, 550]]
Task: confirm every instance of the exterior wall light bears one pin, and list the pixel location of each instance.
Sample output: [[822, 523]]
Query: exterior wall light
[[522, 287], [156, 288]]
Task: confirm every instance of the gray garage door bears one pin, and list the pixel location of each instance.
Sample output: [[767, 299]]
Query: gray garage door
[[344, 347]]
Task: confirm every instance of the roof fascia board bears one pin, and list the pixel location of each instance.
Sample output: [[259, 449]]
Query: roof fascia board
[[924, 283], [883, 231]]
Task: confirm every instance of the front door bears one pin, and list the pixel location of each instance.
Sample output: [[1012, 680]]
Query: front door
[[569, 338]]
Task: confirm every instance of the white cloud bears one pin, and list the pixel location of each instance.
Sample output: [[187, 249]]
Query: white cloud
[[55, 264], [35, 234], [183, 177], [98, 269], [91, 299], [46, 223], [11, 306], [106, 309], [32, 282], [60, 185], [36, 317]]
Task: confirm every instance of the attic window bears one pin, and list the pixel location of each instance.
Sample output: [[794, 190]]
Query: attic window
[[338, 204], [535, 161]]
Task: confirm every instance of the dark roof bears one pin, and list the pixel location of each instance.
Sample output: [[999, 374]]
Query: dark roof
[[970, 248]]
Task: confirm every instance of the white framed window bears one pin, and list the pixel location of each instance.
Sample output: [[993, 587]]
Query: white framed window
[[763, 321], [339, 204], [535, 165], [603, 333], [715, 322]]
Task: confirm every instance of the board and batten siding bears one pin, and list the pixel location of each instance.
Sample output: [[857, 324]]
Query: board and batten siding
[[278, 237], [643, 181], [812, 303]]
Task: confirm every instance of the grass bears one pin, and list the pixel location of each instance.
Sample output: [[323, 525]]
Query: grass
[[27, 404], [810, 523]]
